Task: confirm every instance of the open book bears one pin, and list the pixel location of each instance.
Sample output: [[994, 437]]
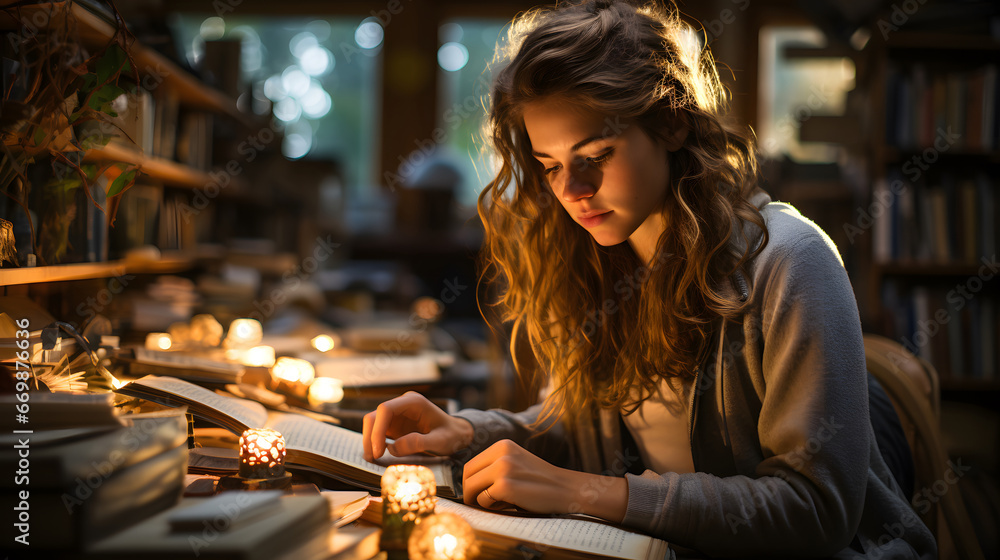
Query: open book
[[509, 534], [311, 444]]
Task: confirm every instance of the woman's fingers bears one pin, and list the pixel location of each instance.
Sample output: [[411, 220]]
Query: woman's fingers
[[409, 444], [488, 487], [394, 418], [482, 470], [384, 415], [366, 436]]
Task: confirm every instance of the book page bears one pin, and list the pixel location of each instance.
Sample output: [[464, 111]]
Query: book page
[[305, 434], [342, 445], [543, 532], [248, 413]]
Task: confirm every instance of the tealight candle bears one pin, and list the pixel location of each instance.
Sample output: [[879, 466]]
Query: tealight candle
[[262, 453], [293, 370], [158, 341], [206, 330], [443, 536], [258, 356], [324, 343], [408, 495], [325, 390], [262, 463], [244, 333]]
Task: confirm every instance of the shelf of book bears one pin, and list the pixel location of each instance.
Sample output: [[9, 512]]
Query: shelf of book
[[84, 271], [95, 31], [933, 149], [170, 172]]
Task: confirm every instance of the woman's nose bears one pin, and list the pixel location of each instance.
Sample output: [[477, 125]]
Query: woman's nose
[[576, 185]]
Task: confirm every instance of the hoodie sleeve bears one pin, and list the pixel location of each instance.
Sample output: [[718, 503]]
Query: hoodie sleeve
[[550, 442], [807, 494]]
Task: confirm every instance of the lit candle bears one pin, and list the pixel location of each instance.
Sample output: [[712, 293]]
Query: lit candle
[[293, 370], [262, 453], [206, 330], [244, 333], [325, 390], [158, 341], [258, 356], [324, 343], [443, 536], [408, 495]]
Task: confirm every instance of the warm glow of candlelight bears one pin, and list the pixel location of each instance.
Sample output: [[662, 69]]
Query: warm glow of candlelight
[[325, 390], [445, 545], [443, 536], [408, 490], [258, 356], [293, 370], [262, 453], [324, 343], [158, 341], [244, 333]]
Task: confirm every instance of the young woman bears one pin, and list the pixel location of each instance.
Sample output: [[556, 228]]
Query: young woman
[[702, 344]]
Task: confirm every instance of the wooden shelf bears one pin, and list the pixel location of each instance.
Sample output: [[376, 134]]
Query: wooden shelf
[[914, 268], [169, 172], [960, 384], [84, 271], [800, 53], [894, 154], [814, 191], [95, 33], [941, 42]]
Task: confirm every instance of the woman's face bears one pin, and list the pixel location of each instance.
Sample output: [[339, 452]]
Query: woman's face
[[609, 175]]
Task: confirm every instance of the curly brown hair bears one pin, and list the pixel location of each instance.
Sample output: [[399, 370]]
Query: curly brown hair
[[644, 66]]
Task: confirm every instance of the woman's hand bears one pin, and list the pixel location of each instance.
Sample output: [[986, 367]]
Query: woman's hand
[[417, 425], [506, 474]]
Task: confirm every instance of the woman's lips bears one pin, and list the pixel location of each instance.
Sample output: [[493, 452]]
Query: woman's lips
[[595, 219]]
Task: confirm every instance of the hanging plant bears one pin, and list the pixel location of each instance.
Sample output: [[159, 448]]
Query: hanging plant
[[57, 88]]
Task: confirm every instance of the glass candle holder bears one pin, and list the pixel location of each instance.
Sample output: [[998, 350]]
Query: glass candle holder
[[443, 536], [258, 356], [325, 342], [244, 333], [262, 454], [408, 496], [293, 370], [158, 341], [325, 390]]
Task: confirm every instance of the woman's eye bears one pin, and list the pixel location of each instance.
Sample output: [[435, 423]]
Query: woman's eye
[[550, 170], [598, 161]]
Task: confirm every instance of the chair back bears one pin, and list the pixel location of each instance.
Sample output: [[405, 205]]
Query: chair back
[[913, 387]]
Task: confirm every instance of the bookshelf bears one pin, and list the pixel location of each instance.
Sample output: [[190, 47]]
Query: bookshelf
[[167, 175], [86, 271], [95, 32], [933, 151]]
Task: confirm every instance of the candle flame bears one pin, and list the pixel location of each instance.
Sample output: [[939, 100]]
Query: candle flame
[[445, 545]]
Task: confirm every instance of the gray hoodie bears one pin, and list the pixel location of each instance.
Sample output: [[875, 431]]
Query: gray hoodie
[[785, 456]]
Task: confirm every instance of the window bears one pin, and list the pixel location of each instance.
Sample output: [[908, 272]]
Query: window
[[793, 90], [466, 48], [319, 76]]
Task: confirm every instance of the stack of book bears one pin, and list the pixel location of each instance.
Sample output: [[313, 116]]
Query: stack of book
[[83, 472]]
